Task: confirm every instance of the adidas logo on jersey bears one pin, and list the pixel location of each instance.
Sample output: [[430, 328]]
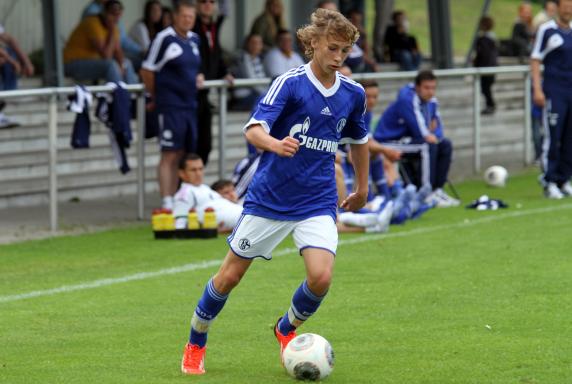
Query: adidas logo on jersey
[[326, 111]]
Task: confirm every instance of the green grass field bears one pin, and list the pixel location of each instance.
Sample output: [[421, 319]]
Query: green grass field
[[458, 296]]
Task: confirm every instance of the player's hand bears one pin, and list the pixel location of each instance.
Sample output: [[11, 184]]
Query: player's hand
[[287, 147], [431, 139], [354, 201], [150, 106], [539, 98], [229, 78], [433, 125], [200, 81]]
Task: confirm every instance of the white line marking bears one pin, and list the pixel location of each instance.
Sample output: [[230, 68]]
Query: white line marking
[[213, 263]]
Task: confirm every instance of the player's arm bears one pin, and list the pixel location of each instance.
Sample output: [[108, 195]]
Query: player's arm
[[536, 58], [537, 92], [389, 153], [257, 136], [148, 78], [415, 120], [360, 158]]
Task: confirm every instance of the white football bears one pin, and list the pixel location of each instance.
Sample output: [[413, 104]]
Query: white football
[[308, 357], [496, 176]]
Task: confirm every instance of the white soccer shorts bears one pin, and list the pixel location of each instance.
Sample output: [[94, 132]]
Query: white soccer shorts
[[256, 236]]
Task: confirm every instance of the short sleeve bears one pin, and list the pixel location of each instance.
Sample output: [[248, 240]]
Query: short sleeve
[[272, 105], [355, 130], [155, 54]]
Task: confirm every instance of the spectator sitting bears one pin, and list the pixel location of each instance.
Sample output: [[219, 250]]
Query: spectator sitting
[[13, 62], [130, 48], [226, 189], [523, 31], [400, 45], [283, 57], [145, 30], [249, 66], [193, 194], [269, 23], [359, 59], [413, 124], [93, 51], [487, 56], [548, 13]]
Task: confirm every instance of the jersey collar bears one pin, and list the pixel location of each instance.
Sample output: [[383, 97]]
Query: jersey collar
[[326, 92]]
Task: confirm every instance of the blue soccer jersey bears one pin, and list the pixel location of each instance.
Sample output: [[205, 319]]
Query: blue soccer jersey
[[553, 47], [410, 117], [298, 105], [175, 60]]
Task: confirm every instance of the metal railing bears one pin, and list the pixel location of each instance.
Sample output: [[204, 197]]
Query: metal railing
[[53, 94]]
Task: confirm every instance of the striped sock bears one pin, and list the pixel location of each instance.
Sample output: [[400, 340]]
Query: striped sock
[[209, 306], [304, 304]]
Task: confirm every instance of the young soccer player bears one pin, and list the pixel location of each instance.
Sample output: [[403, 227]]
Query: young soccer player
[[306, 113]]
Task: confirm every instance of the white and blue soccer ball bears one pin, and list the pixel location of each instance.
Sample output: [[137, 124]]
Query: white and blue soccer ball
[[308, 357], [496, 176]]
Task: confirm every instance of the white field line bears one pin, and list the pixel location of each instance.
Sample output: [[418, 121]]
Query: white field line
[[213, 263]]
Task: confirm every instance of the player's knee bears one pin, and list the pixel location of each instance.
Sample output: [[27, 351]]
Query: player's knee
[[226, 280], [446, 146], [319, 283]]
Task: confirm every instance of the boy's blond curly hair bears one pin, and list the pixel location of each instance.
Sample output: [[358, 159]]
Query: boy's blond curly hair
[[326, 23]]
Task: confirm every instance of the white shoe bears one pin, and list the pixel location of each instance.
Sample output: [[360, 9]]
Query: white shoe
[[566, 189], [552, 191], [442, 200], [384, 216]]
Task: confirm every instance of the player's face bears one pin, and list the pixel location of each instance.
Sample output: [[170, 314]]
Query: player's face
[[565, 11], [193, 172], [371, 95], [184, 19], [330, 53], [426, 90], [229, 193]]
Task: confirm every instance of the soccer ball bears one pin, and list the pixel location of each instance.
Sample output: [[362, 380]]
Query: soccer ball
[[308, 357], [496, 176]]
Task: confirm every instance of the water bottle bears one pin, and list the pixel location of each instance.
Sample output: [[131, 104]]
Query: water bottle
[[209, 220], [192, 220]]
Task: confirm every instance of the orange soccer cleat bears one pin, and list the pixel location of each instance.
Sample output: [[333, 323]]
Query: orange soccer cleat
[[283, 340], [193, 360]]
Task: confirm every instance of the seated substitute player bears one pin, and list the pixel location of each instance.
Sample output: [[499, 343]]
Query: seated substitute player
[[193, 194], [226, 189], [412, 124], [307, 112]]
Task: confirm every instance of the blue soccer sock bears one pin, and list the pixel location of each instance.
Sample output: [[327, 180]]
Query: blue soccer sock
[[396, 188], [208, 308], [304, 304], [377, 175]]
